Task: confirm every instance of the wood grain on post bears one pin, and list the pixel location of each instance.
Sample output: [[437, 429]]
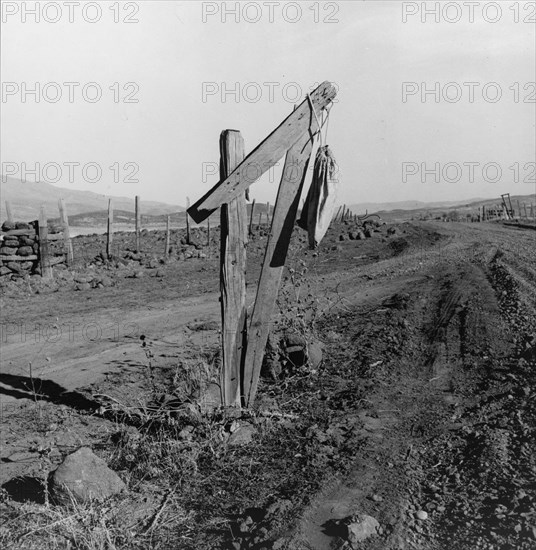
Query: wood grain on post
[[208, 231], [187, 221], [64, 219], [267, 153], [9, 213], [232, 273], [110, 229], [250, 228], [138, 223], [44, 259], [168, 223], [337, 214], [268, 213], [285, 211]]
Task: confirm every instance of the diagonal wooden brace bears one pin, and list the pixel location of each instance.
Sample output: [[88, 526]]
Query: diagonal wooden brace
[[266, 154], [285, 210]]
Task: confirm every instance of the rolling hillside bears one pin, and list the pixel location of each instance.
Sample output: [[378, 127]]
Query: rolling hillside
[[26, 199]]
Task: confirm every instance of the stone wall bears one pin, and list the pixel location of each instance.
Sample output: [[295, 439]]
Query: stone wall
[[19, 248], [19, 240]]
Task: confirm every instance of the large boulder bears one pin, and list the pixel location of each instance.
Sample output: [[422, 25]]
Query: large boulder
[[83, 476]]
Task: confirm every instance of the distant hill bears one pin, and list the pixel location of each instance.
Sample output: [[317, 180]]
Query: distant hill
[[26, 199], [437, 210], [371, 207]]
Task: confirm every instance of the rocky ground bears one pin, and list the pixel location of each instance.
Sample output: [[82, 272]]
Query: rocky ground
[[396, 411]]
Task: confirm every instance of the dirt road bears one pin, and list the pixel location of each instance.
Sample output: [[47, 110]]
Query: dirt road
[[443, 338]]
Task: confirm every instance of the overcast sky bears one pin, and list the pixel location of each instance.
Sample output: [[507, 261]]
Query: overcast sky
[[181, 61]]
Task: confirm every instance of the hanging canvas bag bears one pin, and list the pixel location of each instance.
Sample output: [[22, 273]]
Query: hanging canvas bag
[[321, 199]]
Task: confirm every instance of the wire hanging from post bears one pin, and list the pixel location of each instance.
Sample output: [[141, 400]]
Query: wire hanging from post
[[320, 124]]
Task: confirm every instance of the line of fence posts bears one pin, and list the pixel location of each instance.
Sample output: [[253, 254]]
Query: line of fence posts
[[250, 228], [168, 226], [9, 212], [187, 221], [68, 244], [44, 258], [338, 213], [138, 222], [110, 229]]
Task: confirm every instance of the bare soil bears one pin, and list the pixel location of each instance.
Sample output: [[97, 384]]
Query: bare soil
[[425, 400]]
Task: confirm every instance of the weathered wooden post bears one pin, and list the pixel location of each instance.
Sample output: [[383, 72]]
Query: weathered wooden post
[[166, 251], [525, 209], [64, 219], [233, 228], [44, 258], [208, 231], [8, 212], [268, 213], [260, 220], [138, 223], [110, 230], [337, 214], [250, 228], [187, 221]]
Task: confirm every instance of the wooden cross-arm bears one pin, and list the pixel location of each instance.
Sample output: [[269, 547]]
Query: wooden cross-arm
[[266, 154]]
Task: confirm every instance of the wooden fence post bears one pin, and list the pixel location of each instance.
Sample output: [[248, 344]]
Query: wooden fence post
[[250, 229], [8, 212], [138, 223], [337, 214], [44, 258], [110, 229], [525, 208], [232, 273], [268, 213], [286, 208], [64, 218], [208, 231], [166, 251], [187, 221]]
